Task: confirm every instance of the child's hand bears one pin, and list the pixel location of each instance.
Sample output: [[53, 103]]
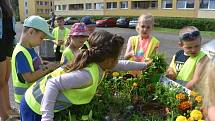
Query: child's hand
[[171, 74], [130, 54], [52, 66], [60, 42], [189, 85], [148, 62]]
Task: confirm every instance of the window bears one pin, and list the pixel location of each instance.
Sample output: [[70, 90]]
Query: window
[[46, 3], [55, 7], [41, 2], [88, 6], [26, 12], [124, 4], [26, 4], [76, 6], [207, 4], [99, 6], [144, 4], [185, 4], [166, 3], [46, 10], [111, 5], [63, 7], [59, 7]]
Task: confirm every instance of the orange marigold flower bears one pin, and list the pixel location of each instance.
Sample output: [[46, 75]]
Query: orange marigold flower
[[198, 99], [185, 105], [180, 96], [194, 94]]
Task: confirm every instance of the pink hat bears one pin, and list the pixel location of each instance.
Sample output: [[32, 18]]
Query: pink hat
[[79, 29]]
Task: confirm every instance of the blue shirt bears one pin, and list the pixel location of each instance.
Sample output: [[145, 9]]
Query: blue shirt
[[22, 65]]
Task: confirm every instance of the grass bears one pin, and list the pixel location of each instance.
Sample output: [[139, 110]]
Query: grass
[[175, 31]]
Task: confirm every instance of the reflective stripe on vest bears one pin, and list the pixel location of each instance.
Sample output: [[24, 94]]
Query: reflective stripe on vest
[[56, 34], [68, 54], [187, 71], [65, 98], [20, 88], [150, 48]]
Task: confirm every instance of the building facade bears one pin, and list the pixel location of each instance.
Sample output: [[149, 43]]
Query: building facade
[[35, 7], [169, 8]]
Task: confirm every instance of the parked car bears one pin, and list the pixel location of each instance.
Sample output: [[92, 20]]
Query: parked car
[[106, 22], [133, 23], [122, 22], [70, 20]]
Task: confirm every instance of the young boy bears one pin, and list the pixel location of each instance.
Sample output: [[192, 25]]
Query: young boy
[[60, 34], [26, 64], [187, 64]]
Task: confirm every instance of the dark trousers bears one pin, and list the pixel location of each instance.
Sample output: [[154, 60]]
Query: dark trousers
[[58, 54], [26, 114]]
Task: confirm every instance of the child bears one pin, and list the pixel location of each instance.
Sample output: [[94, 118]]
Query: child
[[208, 77], [143, 45], [77, 36], [187, 63], [77, 83], [26, 64], [60, 34]]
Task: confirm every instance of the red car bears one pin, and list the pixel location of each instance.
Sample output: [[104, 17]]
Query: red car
[[106, 22]]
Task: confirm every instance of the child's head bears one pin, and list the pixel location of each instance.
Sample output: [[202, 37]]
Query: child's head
[[145, 25], [104, 48], [60, 21], [190, 40], [35, 30], [78, 35], [91, 26]]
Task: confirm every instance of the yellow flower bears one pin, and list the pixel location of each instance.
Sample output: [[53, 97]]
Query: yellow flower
[[196, 115], [115, 74], [194, 94], [180, 96], [201, 120], [198, 99], [181, 118], [191, 119]]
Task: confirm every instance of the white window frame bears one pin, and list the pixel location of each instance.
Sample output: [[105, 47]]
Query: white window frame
[[99, 6], [185, 4], [165, 2], [90, 4], [209, 4], [111, 5], [124, 3]]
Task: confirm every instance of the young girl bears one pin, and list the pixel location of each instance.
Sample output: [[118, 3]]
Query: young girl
[[142, 46], [208, 77], [76, 84], [77, 36]]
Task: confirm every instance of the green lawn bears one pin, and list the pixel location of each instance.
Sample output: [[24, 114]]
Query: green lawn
[[175, 31]]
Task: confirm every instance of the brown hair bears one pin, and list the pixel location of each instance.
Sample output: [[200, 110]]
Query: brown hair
[[147, 17], [6, 6], [103, 45], [189, 29]]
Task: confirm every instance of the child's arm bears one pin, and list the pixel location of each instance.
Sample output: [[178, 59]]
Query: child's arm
[[211, 112], [197, 72], [129, 51], [171, 73], [126, 65], [34, 76], [72, 80]]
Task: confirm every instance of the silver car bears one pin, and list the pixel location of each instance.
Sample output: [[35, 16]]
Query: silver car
[[133, 23]]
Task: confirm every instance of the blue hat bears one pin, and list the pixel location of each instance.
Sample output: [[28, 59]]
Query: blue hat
[[38, 23], [87, 21]]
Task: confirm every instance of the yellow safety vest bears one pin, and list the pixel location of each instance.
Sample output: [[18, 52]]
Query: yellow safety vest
[[67, 97], [150, 49], [55, 33], [20, 88], [68, 54], [187, 71]]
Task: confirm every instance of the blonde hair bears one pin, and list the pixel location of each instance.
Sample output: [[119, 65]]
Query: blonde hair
[[147, 17], [207, 85]]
